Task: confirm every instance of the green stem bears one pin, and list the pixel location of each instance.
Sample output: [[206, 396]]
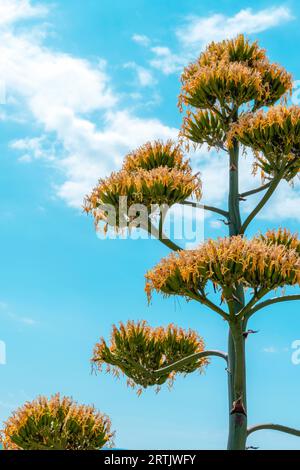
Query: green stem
[[207, 208], [275, 182], [273, 427], [239, 407], [245, 312], [275, 300], [208, 303], [236, 352], [233, 199], [256, 190], [186, 360], [239, 373]]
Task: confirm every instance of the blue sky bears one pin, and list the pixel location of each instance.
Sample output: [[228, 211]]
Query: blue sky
[[85, 83]]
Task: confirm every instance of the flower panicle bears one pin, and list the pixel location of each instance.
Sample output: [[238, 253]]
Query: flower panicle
[[231, 73], [225, 262], [282, 236], [274, 136], [138, 350], [57, 423], [156, 154], [154, 175]]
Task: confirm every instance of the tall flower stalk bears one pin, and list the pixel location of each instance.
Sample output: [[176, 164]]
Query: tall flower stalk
[[224, 96]]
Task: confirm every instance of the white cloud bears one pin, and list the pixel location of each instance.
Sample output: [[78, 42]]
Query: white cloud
[[51, 82], [198, 31], [84, 143], [141, 39], [215, 224], [275, 350], [214, 174], [15, 10], [285, 203], [201, 30], [270, 350], [60, 92], [35, 148], [165, 61], [4, 309], [144, 76], [27, 321]]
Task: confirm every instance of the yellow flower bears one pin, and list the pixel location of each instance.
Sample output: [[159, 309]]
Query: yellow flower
[[225, 262], [137, 350], [154, 155], [156, 174], [282, 236], [57, 423], [274, 136], [233, 72]]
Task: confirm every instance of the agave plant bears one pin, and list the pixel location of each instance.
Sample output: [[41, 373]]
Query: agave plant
[[57, 423], [222, 97]]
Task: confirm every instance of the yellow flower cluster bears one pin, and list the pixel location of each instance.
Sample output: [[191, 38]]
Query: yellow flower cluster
[[137, 350], [56, 424], [225, 262], [155, 174], [233, 72], [203, 127], [238, 49], [224, 83], [282, 236], [154, 155], [274, 135]]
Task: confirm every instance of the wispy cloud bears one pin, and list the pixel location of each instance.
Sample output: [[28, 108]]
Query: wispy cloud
[[12, 11], [25, 320], [270, 350], [275, 350], [144, 76], [141, 39], [285, 203], [35, 148], [199, 31], [166, 61]]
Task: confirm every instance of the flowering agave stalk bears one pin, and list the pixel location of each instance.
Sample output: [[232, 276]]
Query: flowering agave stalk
[[224, 95], [56, 424]]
